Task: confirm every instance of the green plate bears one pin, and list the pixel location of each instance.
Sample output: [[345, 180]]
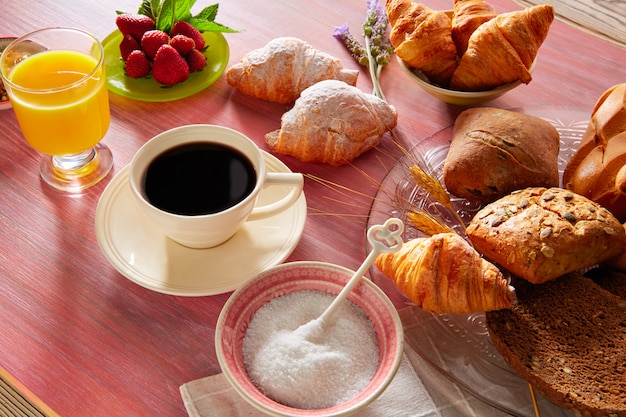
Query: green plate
[[147, 89]]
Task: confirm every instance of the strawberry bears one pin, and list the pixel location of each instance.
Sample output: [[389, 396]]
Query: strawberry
[[128, 45], [152, 40], [134, 25], [185, 28], [137, 65], [196, 60], [183, 44], [169, 67]]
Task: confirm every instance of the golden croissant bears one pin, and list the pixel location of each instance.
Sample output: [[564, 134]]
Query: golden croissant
[[283, 68], [444, 274], [422, 38], [468, 16], [333, 123], [503, 49]]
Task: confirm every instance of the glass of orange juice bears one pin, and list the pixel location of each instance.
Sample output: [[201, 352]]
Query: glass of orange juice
[[56, 83]]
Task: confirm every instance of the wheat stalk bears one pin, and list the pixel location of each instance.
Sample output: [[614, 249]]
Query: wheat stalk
[[428, 224], [421, 219], [432, 185]]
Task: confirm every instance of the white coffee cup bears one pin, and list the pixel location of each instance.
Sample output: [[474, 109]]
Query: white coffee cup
[[211, 228]]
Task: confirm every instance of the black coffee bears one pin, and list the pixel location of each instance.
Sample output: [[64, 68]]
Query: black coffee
[[198, 178]]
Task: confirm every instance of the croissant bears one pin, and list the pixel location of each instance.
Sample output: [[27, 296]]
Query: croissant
[[503, 49], [444, 274], [422, 38], [332, 122], [283, 68], [468, 15]]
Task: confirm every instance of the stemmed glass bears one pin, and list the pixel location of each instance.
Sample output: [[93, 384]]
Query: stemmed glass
[[56, 82]]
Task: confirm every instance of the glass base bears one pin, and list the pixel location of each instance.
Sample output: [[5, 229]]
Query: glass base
[[74, 173]]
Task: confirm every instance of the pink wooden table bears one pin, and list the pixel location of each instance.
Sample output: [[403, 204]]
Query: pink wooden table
[[89, 342]]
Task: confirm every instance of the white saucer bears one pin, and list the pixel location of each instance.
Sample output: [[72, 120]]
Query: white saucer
[[147, 257]]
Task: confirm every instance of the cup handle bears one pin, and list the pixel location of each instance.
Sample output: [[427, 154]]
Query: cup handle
[[288, 179]]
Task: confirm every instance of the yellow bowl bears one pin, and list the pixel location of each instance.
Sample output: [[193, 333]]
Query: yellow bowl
[[461, 98]]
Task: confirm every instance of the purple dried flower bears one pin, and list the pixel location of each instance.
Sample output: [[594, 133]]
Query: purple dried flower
[[357, 50], [372, 5], [341, 32], [377, 51]]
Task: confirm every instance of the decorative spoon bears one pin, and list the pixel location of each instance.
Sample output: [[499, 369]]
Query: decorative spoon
[[382, 238]]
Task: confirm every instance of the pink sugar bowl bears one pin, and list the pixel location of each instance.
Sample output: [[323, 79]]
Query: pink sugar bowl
[[283, 366]]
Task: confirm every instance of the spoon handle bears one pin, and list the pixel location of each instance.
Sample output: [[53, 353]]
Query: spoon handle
[[382, 238]]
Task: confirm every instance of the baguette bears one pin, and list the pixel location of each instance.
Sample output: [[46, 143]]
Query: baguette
[[598, 168]]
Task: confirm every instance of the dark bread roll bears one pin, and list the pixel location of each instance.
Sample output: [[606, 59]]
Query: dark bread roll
[[567, 338], [494, 152], [541, 234]]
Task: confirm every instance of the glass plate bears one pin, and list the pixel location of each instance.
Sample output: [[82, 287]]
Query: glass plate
[[459, 345], [147, 89]]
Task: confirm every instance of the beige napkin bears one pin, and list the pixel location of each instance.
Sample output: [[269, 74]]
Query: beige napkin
[[417, 390]]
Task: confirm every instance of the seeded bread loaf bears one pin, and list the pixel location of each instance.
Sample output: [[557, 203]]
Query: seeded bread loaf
[[619, 262], [494, 152], [567, 338], [540, 234]]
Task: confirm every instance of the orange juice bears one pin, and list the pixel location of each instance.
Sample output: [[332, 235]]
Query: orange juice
[[58, 113]]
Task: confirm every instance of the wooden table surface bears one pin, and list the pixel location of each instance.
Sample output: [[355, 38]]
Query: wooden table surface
[[89, 342]]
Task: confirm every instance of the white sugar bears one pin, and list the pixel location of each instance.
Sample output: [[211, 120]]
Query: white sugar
[[310, 367]]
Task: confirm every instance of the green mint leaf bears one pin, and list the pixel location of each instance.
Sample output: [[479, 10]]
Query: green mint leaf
[[183, 9], [208, 13], [150, 8], [205, 21], [167, 12], [207, 26], [165, 16]]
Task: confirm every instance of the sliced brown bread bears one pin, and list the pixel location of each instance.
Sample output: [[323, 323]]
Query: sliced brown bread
[[567, 338], [612, 281]]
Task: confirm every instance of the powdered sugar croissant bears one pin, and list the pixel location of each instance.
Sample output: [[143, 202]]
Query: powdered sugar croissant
[[283, 68], [444, 274], [332, 122]]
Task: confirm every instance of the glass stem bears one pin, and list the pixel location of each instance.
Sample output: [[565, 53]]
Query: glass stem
[[73, 162]]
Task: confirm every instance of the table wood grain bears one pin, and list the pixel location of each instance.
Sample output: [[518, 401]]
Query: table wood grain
[[87, 341]]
